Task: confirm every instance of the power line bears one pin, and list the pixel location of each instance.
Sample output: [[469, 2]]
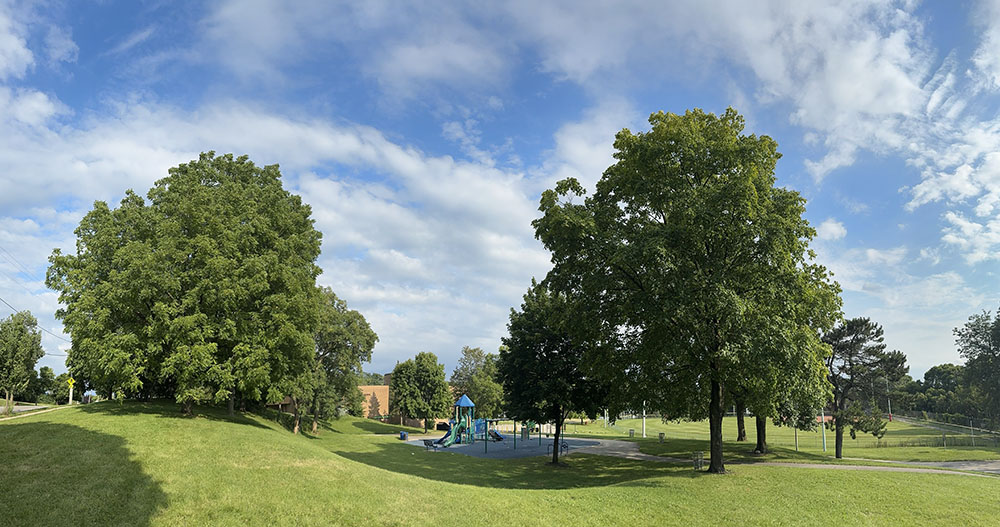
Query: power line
[[16, 310], [12, 259], [18, 282]]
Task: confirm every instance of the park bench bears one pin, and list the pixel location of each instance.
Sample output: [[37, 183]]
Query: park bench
[[429, 444]]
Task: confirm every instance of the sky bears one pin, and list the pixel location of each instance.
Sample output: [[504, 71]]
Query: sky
[[423, 135]]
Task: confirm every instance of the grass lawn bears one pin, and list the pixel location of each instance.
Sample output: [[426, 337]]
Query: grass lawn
[[144, 464], [682, 438]]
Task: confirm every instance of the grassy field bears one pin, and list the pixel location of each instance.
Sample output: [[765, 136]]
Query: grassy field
[[144, 464], [902, 441]]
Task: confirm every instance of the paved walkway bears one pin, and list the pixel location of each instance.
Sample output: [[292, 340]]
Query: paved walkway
[[33, 413], [988, 466], [507, 449]]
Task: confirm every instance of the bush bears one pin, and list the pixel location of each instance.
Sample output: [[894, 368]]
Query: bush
[[46, 399]]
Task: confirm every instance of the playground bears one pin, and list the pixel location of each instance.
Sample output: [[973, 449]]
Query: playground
[[481, 438]]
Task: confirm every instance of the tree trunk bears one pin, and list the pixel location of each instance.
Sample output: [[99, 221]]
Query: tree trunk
[[187, 407], [295, 409], [7, 402], [555, 441], [840, 438], [315, 412], [761, 435], [716, 410], [231, 405], [741, 429]]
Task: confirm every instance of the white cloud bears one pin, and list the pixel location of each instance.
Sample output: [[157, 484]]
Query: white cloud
[[59, 45], [27, 106], [917, 310], [584, 149], [15, 57], [133, 40], [831, 229], [987, 54], [445, 244]]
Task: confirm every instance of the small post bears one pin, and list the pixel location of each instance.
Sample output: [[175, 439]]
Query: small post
[[973, 430]]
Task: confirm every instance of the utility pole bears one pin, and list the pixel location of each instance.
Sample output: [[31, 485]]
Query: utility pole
[[822, 414], [644, 419], [887, 398]]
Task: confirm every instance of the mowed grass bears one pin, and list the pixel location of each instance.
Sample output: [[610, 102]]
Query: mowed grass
[[684, 437], [144, 464]]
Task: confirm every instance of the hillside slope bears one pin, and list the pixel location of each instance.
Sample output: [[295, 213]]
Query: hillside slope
[[144, 464]]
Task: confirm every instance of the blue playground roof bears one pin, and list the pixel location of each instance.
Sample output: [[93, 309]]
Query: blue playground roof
[[465, 402]]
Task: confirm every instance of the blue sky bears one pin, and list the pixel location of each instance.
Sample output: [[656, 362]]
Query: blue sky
[[423, 135]]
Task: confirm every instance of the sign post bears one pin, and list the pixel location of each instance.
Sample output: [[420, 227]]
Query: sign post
[[71, 382]]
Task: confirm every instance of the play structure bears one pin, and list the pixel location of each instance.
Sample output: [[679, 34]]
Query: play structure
[[461, 430]]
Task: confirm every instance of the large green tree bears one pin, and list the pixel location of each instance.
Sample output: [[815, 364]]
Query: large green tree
[[207, 291], [418, 389], [695, 268], [978, 343], [344, 340], [541, 365], [857, 360], [20, 349], [476, 376]]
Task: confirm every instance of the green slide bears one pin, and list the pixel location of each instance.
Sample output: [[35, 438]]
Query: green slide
[[456, 432]]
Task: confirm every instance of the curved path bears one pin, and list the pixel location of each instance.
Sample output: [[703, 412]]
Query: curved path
[[26, 414], [630, 450]]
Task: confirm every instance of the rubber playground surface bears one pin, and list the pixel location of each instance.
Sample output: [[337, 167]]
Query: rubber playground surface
[[507, 449]]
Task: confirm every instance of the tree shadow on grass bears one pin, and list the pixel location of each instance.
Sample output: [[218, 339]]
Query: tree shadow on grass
[[577, 470], [732, 452], [63, 474], [167, 409], [355, 426]]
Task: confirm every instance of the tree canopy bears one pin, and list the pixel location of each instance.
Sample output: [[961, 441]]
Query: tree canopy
[[695, 270], [541, 364], [476, 376], [417, 389], [20, 349], [978, 343], [205, 292], [344, 340]]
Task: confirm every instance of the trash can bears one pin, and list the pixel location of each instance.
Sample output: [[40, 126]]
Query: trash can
[[403, 435], [661, 437], [698, 459], [631, 432]]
